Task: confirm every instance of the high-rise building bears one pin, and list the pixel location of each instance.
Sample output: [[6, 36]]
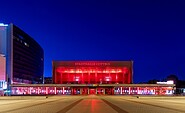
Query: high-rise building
[[21, 57]]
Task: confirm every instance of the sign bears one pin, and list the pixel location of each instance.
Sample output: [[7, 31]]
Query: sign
[[92, 64]]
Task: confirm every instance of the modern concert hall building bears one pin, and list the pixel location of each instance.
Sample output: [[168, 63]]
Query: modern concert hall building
[[93, 77]]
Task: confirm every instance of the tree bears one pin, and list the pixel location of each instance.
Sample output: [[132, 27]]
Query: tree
[[173, 77], [154, 81]]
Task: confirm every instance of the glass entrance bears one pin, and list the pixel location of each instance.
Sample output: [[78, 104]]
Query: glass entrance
[[92, 91]]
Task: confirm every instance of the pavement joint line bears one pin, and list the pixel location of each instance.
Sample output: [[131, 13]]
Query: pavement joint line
[[116, 108], [30, 106], [154, 105], [67, 108]]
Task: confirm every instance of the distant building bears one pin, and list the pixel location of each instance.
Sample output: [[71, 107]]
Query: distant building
[[21, 57], [48, 80]]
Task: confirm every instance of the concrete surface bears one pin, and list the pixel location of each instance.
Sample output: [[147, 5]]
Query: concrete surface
[[92, 104]]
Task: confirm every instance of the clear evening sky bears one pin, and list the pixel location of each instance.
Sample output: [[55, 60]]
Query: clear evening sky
[[150, 32]]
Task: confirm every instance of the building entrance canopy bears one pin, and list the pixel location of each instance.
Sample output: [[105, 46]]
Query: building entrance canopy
[[85, 89]]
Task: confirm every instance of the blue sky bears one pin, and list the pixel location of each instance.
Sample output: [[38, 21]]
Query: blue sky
[[151, 33]]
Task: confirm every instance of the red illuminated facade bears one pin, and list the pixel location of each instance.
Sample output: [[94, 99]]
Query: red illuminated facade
[[92, 77], [92, 72]]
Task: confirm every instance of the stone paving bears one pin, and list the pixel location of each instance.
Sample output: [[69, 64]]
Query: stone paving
[[92, 104]]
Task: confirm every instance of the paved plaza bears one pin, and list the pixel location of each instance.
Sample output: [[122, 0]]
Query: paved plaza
[[92, 104]]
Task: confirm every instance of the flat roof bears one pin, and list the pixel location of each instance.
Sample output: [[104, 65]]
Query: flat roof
[[92, 85], [92, 63]]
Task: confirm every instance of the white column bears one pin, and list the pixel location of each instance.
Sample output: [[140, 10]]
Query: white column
[[72, 91], [80, 91], [88, 91], [63, 90], [121, 91], [138, 92], [46, 90], [154, 91], [129, 91], [38, 90], [113, 90], [55, 90], [30, 90]]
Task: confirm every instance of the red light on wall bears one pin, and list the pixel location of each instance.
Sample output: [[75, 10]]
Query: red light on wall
[[92, 75], [113, 71], [125, 70], [119, 71]]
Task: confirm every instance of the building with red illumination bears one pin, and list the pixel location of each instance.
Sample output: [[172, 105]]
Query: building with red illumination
[[92, 72], [93, 77]]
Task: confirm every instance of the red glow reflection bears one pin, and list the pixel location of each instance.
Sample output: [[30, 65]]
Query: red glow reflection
[[94, 105]]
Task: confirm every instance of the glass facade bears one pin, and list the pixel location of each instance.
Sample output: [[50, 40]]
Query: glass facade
[[27, 58], [22, 58]]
